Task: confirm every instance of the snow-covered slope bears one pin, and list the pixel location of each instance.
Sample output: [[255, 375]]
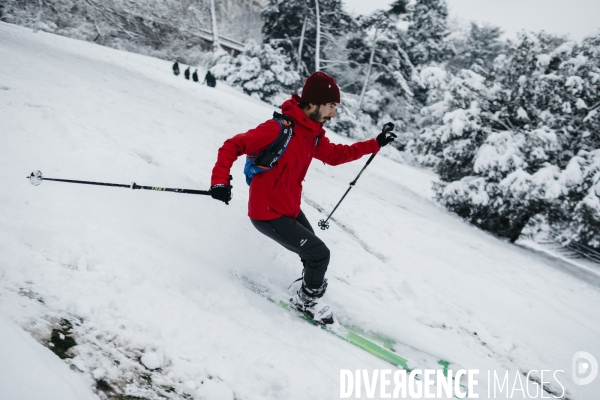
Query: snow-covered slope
[[30, 371], [148, 275]]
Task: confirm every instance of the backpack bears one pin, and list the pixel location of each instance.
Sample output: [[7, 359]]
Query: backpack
[[265, 160]]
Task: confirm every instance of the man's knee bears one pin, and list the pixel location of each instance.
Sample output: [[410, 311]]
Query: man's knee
[[317, 257]]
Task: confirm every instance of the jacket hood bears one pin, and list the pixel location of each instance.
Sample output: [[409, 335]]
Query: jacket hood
[[290, 107]]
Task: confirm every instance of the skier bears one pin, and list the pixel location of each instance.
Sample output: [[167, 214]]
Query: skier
[[187, 73], [275, 195], [210, 79], [195, 76], [176, 68]]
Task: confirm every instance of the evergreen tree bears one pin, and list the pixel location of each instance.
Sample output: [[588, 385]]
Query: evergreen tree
[[518, 146], [378, 70], [240, 20], [576, 217], [399, 8], [427, 33], [576, 112], [479, 48], [377, 50], [283, 25]]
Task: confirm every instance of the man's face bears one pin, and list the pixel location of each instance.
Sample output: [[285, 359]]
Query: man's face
[[323, 112]]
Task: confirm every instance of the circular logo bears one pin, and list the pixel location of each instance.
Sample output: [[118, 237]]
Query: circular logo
[[584, 368]]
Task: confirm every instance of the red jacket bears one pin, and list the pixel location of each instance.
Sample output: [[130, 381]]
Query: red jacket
[[278, 191]]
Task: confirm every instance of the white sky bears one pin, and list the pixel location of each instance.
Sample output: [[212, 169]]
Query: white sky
[[577, 18]]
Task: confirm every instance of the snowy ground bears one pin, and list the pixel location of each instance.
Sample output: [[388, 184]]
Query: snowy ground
[[147, 277]]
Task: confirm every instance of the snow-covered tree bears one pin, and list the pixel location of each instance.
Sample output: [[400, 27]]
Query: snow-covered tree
[[239, 20], [427, 33], [480, 47], [576, 218], [373, 72], [576, 113], [454, 126], [285, 21], [377, 49], [214, 27], [518, 146], [260, 71], [164, 28], [283, 24]]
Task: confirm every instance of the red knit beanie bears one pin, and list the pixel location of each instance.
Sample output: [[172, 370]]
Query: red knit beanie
[[320, 88]]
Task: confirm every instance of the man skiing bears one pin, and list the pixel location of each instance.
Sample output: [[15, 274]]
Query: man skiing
[[176, 68], [275, 195], [195, 76], [186, 73]]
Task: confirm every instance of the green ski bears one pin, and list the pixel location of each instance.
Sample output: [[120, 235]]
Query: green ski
[[378, 345], [352, 337]]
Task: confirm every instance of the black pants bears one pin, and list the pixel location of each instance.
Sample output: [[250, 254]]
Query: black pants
[[298, 236]]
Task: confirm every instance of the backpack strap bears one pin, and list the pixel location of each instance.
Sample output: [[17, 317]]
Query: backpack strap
[[269, 157], [266, 159]]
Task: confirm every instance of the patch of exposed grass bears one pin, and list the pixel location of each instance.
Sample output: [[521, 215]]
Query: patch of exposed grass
[[168, 389], [104, 386], [147, 379], [62, 340]]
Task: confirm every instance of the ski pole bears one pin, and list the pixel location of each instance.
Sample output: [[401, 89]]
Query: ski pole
[[36, 179], [323, 224]]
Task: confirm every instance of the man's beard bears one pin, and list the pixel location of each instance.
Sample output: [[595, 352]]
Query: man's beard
[[317, 117]]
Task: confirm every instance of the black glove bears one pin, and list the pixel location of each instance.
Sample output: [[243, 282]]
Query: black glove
[[386, 136], [221, 192]]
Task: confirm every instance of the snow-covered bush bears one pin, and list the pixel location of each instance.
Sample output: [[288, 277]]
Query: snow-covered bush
[[454, 127], [350, 122], [260, 71], [519, 145], [577, 216]]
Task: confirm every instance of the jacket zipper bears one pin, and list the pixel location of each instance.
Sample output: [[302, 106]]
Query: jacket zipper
[[280, 175], [307, 159]]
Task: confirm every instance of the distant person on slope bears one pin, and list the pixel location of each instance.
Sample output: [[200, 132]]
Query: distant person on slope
[[210, 79], [195, 76], [176, 68], [275, 195], [187, 73]]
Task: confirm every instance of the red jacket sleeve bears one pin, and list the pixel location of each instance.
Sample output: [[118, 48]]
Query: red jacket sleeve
[[254, 140], [335, 154]]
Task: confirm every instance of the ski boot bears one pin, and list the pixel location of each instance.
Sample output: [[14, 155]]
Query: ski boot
[[309, 302]]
